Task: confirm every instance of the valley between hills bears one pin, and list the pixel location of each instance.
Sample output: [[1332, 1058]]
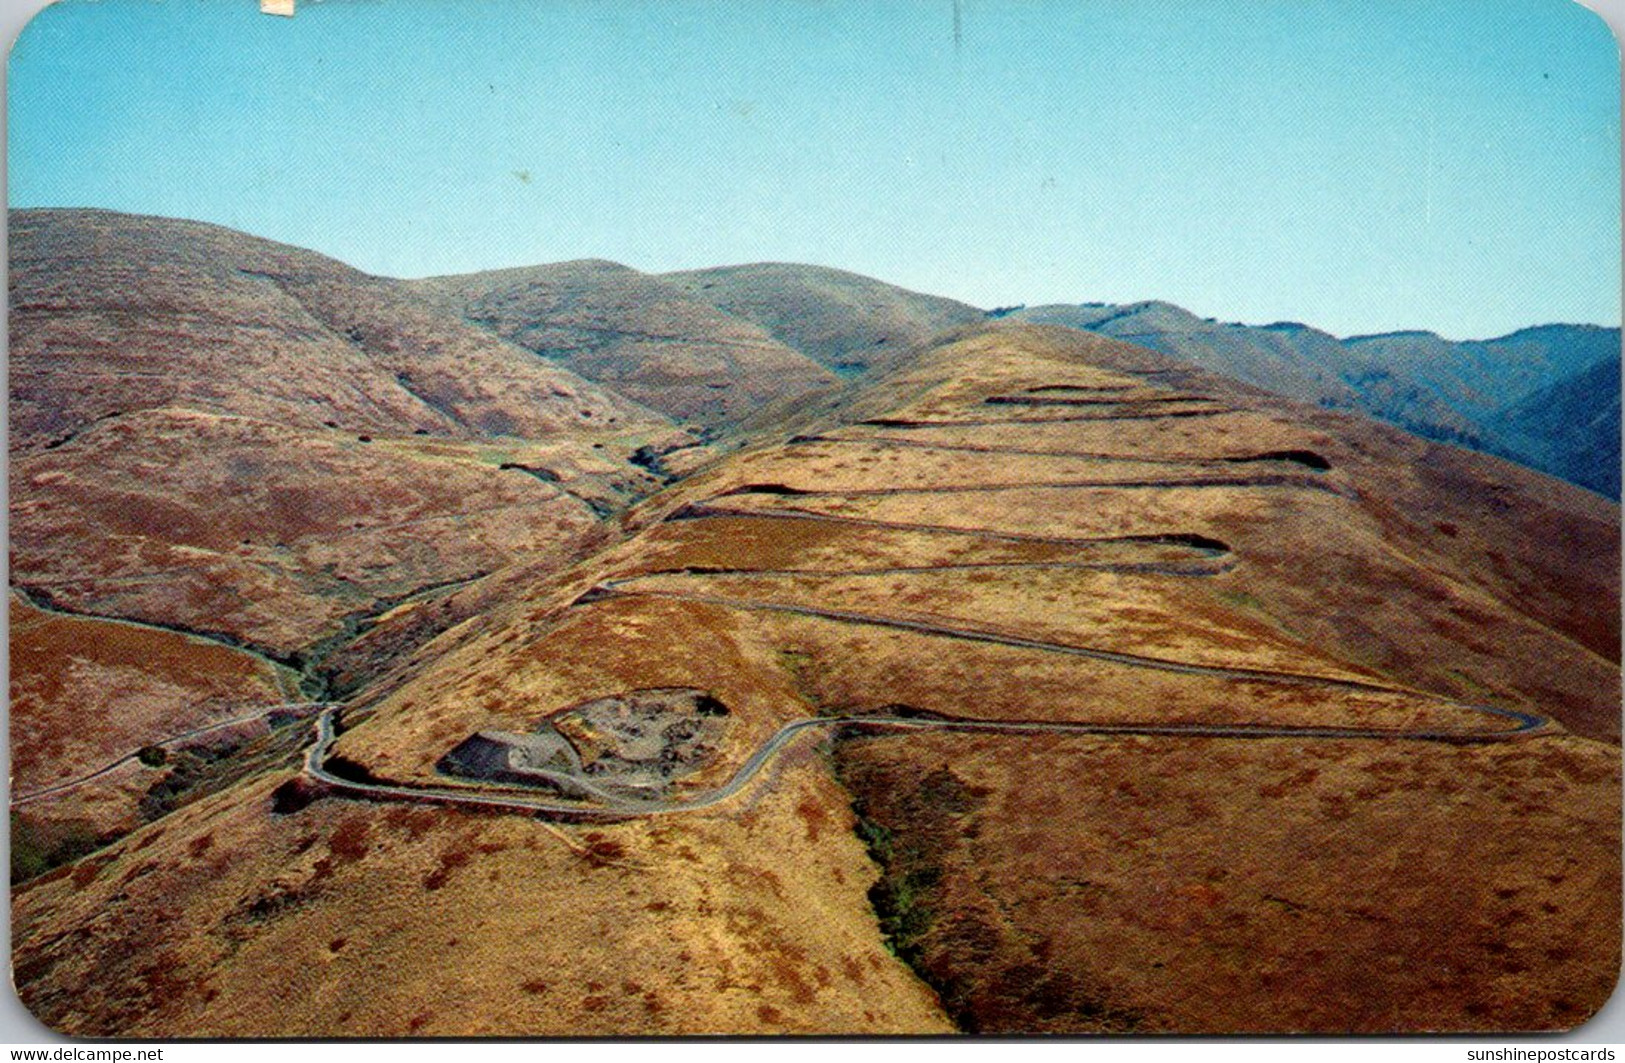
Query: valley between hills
[[570, 650]]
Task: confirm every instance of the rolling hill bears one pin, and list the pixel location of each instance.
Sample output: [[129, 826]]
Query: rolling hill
[[161, 368], [736, 347], [1469, 392], [224, 438], [1032, 683], [113, 313], [638, 334], [847, 322], [769, 649]]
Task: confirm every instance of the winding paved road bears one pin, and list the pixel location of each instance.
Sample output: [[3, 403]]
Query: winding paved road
[[616, 805], [1500, 724], [619, 805]]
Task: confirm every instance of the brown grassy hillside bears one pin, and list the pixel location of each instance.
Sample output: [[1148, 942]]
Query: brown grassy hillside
[[321, 525], [845, 321], [641, 335], [86, 693], [113, 313], [1018, 530], [213, 433]]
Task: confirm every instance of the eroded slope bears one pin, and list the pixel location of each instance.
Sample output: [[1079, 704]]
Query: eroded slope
[[1161, 676]]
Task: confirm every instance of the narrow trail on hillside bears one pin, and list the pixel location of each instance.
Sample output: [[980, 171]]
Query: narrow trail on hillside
[[931, 626], [1119, 401], [1302, 458], [296, 708], [1217, 567], [908, 424], [1267, 480], [707, 511], [39, 598]]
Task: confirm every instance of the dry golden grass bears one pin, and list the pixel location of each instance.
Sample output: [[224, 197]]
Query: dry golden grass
[[86, 691], [394, 920], [128, 521], [1059, 884], [1261, 887]]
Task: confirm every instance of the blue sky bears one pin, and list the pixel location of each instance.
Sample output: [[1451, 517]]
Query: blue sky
[[1361, 166]]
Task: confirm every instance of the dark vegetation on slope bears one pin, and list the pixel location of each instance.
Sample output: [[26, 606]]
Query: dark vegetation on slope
[[1571, 428], [912, 819]]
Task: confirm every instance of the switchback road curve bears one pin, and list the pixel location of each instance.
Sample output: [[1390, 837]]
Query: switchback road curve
[[1513, 723], [1211, 557]]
